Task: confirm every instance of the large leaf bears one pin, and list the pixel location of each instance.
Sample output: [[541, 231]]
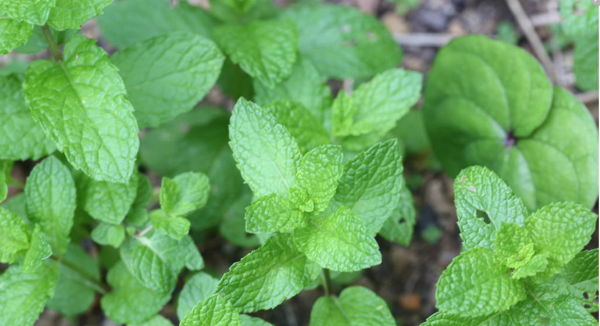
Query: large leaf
[[31, 11], [13, 33], [198, 288], [214, 311], [71, 14]]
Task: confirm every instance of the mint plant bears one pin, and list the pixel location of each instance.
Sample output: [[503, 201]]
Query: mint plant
[[517, 268], [490, 103]]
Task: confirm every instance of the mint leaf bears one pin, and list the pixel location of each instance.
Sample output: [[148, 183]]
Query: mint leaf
[[483, 202], [151, 18], [71, 14], [581, 273], [372, 199], [50, 198], [109, 202], [510, 239], [253, 321], [20, 137], [12, 34], [304, 86], [38, 251], [445, 319], [477, 284], [157, 320], [273, 213], [318, 175], [265, 49], [273, 168], [138, 212], [198, 288], [15, 233], [23, 295], [233, 225], [184, 194], [342, 42], [149, 269], [356, 306], [267, 276], [175, 227], [74, 292], [550, 312], [214, 311], [184, 68], [400, 225], [130, 301], [108, 234], [31, 11], [338, 241], [94, 126]]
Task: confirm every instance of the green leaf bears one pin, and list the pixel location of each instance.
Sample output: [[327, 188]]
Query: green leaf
[[445, 319], [108, 234], [375, 108], [273, 213], [15, 239], [197, 289], [300, 123], [343, 42], [50, 197], [510, 239], [338, 241], [38, 42], [373, 198], [304, 86], [318, 174], [151, 18], [93, 125], [109, 202], [34, 12], [267, 276], [184, 194], [38, 251], [175, 227], [13, 33], [253, 321], [130, 301], [138, 212], [23, 295], [157, 320], [483, 202], [75, 293], [535, 265], [20, 137], [561, 230], [399, 227], [502, 114], [477, 284], [214, 311], [184, 68], [550, 312], [273, 168], [356, 306], [265, 49], [233, 226], [71, 14], [581, 274]]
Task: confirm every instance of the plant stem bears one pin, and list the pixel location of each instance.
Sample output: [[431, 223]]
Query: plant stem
[[327, 286], [144, 231], [91, 280], [53, 46]]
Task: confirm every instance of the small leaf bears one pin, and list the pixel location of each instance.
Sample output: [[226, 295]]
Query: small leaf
[[318, 174], [184, 194], [175, 227], [13, 33], [273, 213], [109, 202], [15, 239], [108, 234], [214, 311], [197, 289], [38, 251]]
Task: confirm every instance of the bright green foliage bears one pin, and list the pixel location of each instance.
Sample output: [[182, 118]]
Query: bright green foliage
[[151, 270], [108, 234], [356, 306], [581, 273], [157, 320], [12, 34], [71, 14], [273, 213], [266, 50], [342, 42], [184, 194], [30, 11], [490, 103], [138, 212], [152, 18], [20, 137], [16, 234], [269, 275], [197, 289], [253, 321], [233, 226], [338, 241], [88, 118], [175, 227], [374, 108], [130, 301], [214, 311], [75, 291], [5, 167], [399, 226], [109, 202], [318, 175], [23, 295], [184, 66], [39, 250], [50, 197]]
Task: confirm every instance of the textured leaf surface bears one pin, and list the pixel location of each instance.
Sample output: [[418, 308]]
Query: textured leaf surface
[[13, 33], [477, 284], [342, 42], [550, 312], [130, 301], [23, 295], [371, 184], [175, 227], [109, 202], [214, 311], [184, 194], [338, 241], [267, 276], [265, 152], [483, 202], [581, 273], [318, 175], [400, 225], [148, 267], [168, 74], [265, 49], [15, 233], [253, 321], [71, 14], [108, 234], [50, 196], [356, 306], [37, 252], [197, 289], [273, 213], [20, 137], [157, 320], [80, 103], [31, 11], [138, 212]]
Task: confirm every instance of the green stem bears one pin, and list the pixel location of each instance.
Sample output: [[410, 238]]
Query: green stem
[[53, 46], [91, 281], [327, 286]]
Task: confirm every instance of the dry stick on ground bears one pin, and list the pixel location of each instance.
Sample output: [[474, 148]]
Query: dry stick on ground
[[423, 39], [532, 36]]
